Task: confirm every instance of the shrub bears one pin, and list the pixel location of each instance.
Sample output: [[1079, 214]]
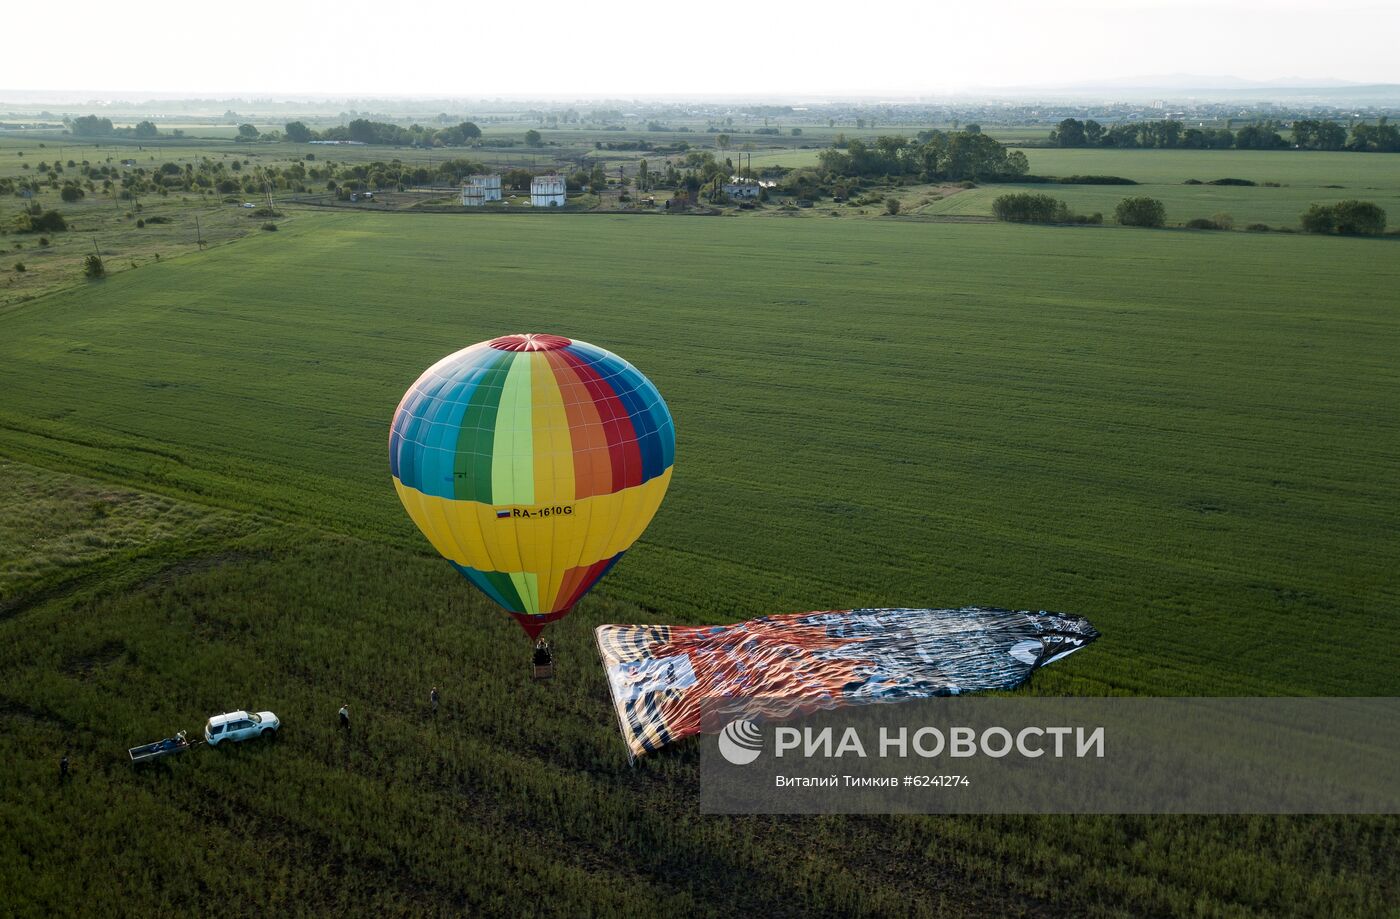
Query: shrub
[[892, 206], [1141, 212], [51, 222], [1350, 217], [1359, 218], [19, 266], [47, 222], [1095, 180], [1230, 182], [93, 267], [1192, 182], [1258, 228], [159, 218], [967, 183], [270, 226], [140, 224], [1202, 223], [1223, 220], [43, 241], [1319, 219], [71, 193]]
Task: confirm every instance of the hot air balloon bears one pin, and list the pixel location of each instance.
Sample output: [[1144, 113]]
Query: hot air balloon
[[531, 463]]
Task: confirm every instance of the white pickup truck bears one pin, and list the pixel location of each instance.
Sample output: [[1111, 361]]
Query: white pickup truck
[[240, 726]]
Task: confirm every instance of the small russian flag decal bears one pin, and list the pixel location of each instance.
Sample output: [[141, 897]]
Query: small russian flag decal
[[500, 514]]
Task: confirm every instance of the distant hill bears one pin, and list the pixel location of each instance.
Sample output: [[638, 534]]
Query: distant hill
[[1181, 87]]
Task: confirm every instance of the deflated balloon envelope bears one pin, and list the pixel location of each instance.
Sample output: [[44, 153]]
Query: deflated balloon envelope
[[662, 676], [532, 463]]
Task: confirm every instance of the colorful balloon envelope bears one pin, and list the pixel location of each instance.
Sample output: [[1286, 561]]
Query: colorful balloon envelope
[[531, 463]]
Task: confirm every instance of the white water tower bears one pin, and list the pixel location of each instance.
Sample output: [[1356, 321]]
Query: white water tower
[[481, 189], [547, 191]]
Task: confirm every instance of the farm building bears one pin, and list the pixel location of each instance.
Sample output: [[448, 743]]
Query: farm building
[[480, 189], [741, 188], [547, 191]]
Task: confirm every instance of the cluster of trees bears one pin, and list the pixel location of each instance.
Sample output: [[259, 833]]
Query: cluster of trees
[[1026, 207], [931, 157], [1319, 135], [379, 132], [1351, 217], [595, 178], [1141, 212], [90, 126], [1308, 134], [93, 126], [1382, 137]]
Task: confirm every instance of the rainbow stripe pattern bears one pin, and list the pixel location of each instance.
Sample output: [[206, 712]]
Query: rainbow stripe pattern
[[532, 462]]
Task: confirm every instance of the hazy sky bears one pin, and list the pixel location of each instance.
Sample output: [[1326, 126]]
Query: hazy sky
[[566, 50]]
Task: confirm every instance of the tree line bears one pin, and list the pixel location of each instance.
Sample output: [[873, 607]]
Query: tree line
[[1307, 134], [230, 177], [361, 129], [93, 126], [932, 156], [365, 131]]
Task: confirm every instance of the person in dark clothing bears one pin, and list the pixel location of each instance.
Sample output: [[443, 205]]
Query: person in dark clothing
[[541, 653], [63, 767], [433, 699], [345, 716]]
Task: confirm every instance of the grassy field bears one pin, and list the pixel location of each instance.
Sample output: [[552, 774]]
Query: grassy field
[[1189, 438]]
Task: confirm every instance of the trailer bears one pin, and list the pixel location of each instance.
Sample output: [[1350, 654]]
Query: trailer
[[170, 746]]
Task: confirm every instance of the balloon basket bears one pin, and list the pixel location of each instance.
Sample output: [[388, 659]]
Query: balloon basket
[[544, 671]]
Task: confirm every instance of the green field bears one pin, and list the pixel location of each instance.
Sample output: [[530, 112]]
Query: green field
[[1189, 438], [1303, 179], [1357, 173]]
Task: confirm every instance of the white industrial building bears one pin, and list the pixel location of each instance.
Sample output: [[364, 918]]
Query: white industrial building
[[480, 189], [547, 191]]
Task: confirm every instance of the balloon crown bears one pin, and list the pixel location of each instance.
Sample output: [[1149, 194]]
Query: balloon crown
[[530, 341]]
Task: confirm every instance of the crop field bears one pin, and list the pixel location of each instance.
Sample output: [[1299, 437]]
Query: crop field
[[1276, 207], [1189, 438]]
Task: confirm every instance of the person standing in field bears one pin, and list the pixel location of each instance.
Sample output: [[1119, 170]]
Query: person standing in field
[[345, 716], [63, 767], [433, 699]]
